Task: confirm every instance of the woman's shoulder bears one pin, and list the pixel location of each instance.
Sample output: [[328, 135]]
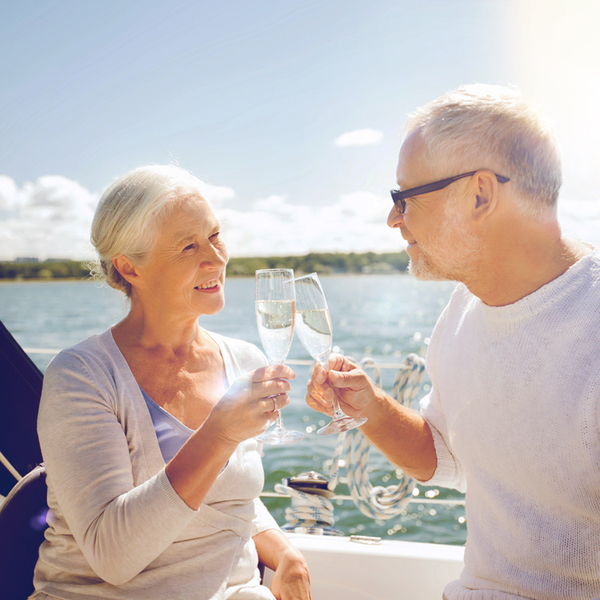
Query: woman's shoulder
[[246, 354], [96, 349]]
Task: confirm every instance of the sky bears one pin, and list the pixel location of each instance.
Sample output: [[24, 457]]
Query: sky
[[289, 111]]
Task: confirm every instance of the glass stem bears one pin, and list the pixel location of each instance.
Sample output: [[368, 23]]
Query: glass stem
[[338, 413], [279, 424]]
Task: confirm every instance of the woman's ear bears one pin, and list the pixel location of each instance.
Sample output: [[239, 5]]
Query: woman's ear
[[126, 269]]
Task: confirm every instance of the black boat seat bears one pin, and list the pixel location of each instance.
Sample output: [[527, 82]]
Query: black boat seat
[[19, 402], [23, 512], [22, 525]]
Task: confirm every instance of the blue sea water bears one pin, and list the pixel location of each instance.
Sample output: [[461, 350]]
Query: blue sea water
[[382, 316]]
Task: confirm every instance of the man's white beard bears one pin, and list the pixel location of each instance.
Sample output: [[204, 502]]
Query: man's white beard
[[452, 254]]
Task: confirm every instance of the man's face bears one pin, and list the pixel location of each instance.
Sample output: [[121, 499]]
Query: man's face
[[437, 226]]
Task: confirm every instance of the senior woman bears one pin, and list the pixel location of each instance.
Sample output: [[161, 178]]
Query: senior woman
[[147, 430]]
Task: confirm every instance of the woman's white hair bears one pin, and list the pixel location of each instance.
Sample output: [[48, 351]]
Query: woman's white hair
[[126, 219], [484, 126]]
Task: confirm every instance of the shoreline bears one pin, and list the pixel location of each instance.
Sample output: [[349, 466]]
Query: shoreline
[[5, 280]]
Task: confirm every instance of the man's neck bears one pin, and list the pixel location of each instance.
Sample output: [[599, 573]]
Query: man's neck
[[522, 262]]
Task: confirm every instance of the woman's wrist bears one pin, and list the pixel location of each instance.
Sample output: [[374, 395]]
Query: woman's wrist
[[274, 548]]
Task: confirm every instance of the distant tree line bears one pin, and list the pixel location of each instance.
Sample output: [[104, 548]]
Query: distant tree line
[[323, 263], [59, 269]]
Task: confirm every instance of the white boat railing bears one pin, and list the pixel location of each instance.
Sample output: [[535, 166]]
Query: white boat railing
[[413, 500], [290, 361], [293, 362]]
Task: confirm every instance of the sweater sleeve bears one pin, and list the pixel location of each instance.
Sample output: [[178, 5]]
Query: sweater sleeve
[[449, 471], [119, 527], [263, 520]]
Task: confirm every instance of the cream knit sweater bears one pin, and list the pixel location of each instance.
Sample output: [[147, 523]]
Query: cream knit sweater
[[117, 528], [515, 414]]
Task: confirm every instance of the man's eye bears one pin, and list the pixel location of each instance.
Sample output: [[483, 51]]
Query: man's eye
[[189, 247], [215, 236]]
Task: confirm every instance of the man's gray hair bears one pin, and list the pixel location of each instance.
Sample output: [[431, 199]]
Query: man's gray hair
[[484, 126], [128, 214]]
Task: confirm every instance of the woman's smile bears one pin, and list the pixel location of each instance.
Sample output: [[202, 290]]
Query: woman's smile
[[210, 286]]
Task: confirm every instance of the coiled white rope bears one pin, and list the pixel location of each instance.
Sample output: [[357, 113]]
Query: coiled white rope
[[306, 510], [352, 449]]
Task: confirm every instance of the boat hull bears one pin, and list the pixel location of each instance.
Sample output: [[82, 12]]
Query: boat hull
[[341, 569]]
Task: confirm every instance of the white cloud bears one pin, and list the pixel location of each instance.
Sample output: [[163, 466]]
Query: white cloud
[[216, 194], [8, 195], [52, 218], [275, 203], [360, 137], [353, 223]]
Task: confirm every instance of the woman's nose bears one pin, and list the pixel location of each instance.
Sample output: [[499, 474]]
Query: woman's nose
[[215, 259], [395, 217]]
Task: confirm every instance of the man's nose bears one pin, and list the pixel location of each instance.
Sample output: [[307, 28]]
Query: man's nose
[[395, 217]]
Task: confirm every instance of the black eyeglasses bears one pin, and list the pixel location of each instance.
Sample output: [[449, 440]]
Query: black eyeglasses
[[399, 196]]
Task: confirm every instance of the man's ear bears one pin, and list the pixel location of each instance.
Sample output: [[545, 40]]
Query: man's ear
[[126, 269], [485, 194]]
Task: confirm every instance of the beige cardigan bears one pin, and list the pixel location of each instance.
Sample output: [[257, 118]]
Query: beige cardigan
[[117, 528]]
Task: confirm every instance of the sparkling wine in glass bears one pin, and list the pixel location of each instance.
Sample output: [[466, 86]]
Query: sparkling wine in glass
[[275, 298], [313, 326]]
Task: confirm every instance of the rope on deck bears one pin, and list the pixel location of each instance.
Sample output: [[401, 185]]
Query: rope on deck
[[352, 449], [306, 510]]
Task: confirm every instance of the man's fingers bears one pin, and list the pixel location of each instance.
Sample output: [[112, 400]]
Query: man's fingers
[[319, 375], [337, 362], [323, 395], [318, 405], [353, 380]]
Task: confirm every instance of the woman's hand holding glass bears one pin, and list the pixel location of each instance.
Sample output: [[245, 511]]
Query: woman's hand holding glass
[[275, 309], [248, 407]]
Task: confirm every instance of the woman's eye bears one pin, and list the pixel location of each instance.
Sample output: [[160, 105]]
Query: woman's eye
[[215, 236], [189, 247]]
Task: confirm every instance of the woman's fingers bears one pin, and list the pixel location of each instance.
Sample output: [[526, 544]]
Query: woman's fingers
[[272, 372], [274, 403], [274, 386]]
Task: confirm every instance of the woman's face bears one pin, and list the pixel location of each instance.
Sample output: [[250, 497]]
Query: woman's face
[[186, 270]]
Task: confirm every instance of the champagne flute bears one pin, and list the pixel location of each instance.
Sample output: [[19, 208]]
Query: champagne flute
[[275, 297], [313, 325]]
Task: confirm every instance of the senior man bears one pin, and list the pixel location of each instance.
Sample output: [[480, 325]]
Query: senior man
[[513, 416]]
